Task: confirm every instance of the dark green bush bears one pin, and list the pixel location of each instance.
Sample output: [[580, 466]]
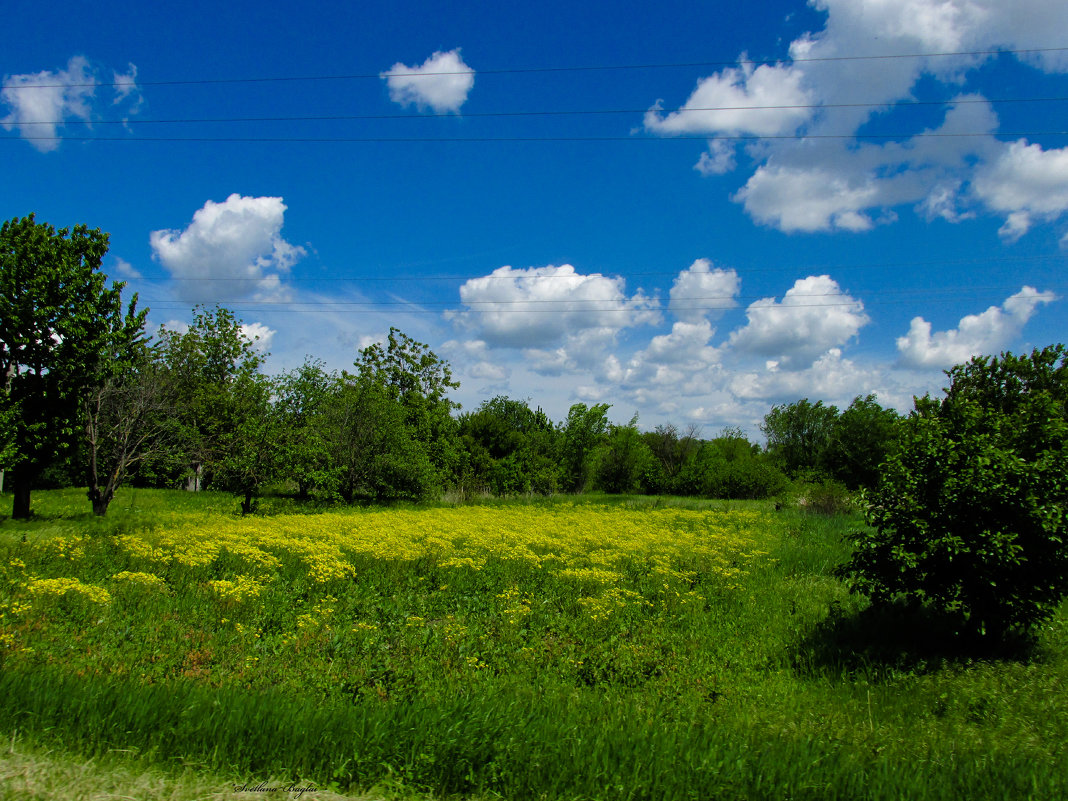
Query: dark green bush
[[969, 517]]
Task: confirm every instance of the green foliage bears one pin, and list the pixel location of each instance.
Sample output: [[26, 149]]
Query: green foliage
[[250, 453], [859, 441], [301, 395], [730, 467], [624, 463], [970, 514], [413, 376], [799, 434], [507, 449], [371, 448], [61, 332], [209, 367], [584, 429]]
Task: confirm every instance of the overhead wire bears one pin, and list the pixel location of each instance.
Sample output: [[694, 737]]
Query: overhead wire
[[535, 70]]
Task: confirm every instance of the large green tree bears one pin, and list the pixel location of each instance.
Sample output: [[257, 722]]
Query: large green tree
[[207, 365], [799, 434], [61, 327], [970, 518]]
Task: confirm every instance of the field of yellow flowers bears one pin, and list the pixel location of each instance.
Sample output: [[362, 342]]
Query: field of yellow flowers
[[559, 649]]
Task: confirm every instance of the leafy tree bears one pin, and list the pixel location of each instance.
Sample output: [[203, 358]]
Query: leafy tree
[[249, 454], [798, 435], [730, 466], [859, 441], [584, 429], [673, 451], [969, 517], [624, 462], [508, 447], [414, 377], [128, 419], [204, 364], [301, 395], [371, 449], [59, 327]]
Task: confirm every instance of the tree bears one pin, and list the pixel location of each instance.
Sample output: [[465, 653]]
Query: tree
[[301, 396], [204, 364], [798, 434], [624, 462], [508, 447], [249, 451], [859, 441], [582, 432], [413, 376], [969, 517], [128, 419], [371, 449], [59, 327]]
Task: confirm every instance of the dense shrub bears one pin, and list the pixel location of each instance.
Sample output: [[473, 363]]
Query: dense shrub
[[969, 517]]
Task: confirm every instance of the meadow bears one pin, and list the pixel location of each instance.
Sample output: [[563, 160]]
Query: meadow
[[573, 648]]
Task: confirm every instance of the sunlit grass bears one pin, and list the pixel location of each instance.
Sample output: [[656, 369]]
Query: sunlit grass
[[632, 648]]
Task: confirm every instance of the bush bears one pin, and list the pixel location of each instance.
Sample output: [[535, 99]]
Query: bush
[[969, 515], [828, 498]]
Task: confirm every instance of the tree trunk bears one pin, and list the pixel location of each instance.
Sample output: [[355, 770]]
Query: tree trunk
[[246, 505], [100, 501], [21, 482]]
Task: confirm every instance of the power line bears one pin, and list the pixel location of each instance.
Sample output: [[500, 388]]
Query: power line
[[535, 70], [486, 139], [547, 113]]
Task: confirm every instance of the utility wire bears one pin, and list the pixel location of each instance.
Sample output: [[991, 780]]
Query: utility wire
[[550, 113], [535, 70], [482, 139]]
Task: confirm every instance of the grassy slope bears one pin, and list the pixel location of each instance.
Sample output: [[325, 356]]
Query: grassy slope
[[786, 688]]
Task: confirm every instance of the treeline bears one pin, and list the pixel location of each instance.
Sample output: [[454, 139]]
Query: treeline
[[89, 398], [194, 409]]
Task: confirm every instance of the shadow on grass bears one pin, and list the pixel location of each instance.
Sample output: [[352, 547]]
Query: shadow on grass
[[880, 641]]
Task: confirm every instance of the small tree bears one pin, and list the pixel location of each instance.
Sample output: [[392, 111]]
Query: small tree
[[860, 441], [128, 418], [970, 515], [798, 435], [584, 429]]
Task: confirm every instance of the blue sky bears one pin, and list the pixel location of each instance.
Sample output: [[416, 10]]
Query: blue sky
[[741, 205]]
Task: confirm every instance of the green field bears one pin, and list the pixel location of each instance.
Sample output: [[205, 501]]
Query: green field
[[630, 648]]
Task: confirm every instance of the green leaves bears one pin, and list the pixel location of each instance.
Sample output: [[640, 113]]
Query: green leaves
[[62, 331], [969, 516]]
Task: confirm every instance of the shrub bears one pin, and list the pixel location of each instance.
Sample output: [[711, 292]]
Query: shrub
[[969, 515]]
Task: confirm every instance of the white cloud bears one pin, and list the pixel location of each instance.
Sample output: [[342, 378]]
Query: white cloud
[[541, 306], [700, 291], [126, 88], [718, 159], [42, 101], [125, 269], [814, 316], [818, 184], [724, 103], [259, 335], [1027, 183], [231, 249], [442, 83], [808, 199], [977, 334]]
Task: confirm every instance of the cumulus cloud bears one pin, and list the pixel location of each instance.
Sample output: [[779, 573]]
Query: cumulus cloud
[[814, 316], [441, 84], [540, 306], [1026, 183], [818, 184], [40, 103], [975, 335], [259, 335], [763, 101], [232, 249], [700, 291], [125, 269]]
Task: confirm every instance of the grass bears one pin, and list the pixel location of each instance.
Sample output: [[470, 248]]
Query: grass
[[632, 648]]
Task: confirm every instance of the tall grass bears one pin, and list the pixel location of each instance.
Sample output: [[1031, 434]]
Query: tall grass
[[502, 682]]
